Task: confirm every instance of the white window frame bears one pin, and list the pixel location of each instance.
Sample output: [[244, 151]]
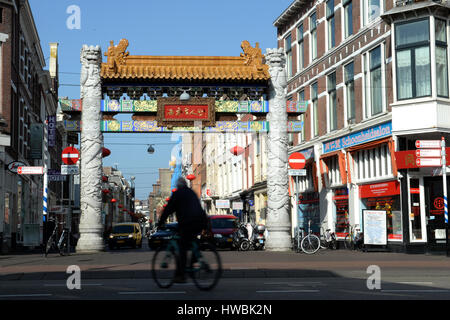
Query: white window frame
[[345, 91], [300, 44], [364, 12], [365, 63], [329, 101]]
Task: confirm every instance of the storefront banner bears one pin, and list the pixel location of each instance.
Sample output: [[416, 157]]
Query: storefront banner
[[375, 227], [379, 189], [360, 137], [407, 159]]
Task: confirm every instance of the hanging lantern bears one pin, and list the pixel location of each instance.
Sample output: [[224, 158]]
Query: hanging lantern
[[167, 199], [190, 177], [113, 200], [105, 152], [105, 191], [236, 150], [164, 205], [104, 178], [174, 189], [120, 206]]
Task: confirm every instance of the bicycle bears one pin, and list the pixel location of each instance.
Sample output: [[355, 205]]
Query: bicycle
[[205, 267], [328, 240], [60, 245], [354, 240], [310, 243]]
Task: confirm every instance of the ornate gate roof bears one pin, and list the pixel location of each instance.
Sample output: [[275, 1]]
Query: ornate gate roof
[[120, 65]]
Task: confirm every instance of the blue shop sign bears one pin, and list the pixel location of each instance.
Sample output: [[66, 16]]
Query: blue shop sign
[[360, 137]]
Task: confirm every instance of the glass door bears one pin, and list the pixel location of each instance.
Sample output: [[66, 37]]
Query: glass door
[[417, 226]]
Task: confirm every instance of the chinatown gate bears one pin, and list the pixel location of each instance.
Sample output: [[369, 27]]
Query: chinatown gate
[[221, 91]]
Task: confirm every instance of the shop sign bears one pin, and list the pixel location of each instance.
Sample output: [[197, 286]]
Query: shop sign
[[375, 227], [239, 205], [222, 204], [13, 166], [407, 159], [379, 189], [360, 137], [51, 131]]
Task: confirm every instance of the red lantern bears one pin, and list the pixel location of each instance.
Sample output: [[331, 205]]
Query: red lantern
[[174, 189], [113, 200], [165, 205], [104, 178], [191, 177], [236, 150], [167, 199], [120, 206], [105, 191], [105, 152]]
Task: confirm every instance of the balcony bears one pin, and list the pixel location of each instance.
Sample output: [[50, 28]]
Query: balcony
[[425, 115]]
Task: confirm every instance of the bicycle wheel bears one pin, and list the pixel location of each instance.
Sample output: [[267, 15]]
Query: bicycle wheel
[[348, 243], [164, 266], [49, 245], [63, 247], [310, 244], [206, 268], [244, 245]]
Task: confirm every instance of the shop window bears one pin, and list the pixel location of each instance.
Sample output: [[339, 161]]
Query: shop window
[[385, 196], [340, 201], [412, 45], [309, 210]]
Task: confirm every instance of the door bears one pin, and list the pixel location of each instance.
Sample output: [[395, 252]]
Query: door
[[417, 230], [434, 208]]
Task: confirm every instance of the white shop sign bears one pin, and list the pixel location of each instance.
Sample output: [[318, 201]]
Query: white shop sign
[[223, 204]]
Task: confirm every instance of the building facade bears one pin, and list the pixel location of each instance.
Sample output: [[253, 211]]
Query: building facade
[[375, 74]]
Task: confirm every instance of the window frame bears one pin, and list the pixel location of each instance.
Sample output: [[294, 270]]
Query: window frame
[[442, 45], [300, 48], [332, 97], [330, 19], [411, 48], [314, 109], [345, 5], [301, 97], [288, 51], [347, 82], [313, 35]]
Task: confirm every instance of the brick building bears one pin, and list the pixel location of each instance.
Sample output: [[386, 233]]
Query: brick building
[[375, 74]]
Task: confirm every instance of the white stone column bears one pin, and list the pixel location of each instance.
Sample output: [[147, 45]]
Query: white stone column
[[91, 227], [278, 216]]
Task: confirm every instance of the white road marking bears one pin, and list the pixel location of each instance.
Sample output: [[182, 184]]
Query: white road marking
[[415, 282], [25, 295], [292, 283], [153, 292], [420, 290], [287, 291], [65, 285]]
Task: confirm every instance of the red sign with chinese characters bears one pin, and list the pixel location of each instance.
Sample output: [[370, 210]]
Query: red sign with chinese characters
[[407, 159], [379, 189], [182, 112]]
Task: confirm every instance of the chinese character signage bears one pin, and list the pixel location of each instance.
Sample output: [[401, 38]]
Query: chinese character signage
[[172, 112]]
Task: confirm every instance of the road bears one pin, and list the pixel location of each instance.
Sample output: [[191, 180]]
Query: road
[[328, 275]]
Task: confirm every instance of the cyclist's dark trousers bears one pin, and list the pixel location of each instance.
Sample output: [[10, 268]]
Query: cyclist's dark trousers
[[187, 235]]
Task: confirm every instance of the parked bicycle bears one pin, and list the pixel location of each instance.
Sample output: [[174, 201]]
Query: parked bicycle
[[354, 239], [205, 267], [328, 239], [306, 241], [61, 245]]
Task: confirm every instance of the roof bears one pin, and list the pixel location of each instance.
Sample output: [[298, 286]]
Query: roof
[[410, 7], [122, 66], [293, 9]]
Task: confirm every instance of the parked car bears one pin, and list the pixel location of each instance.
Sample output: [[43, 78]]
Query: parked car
[[220, 230], [125, 234], [161, 236]]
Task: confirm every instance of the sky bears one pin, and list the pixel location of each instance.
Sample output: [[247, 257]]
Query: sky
[[168, 27]]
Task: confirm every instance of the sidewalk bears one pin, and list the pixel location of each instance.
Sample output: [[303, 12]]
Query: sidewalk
[[127, 264]]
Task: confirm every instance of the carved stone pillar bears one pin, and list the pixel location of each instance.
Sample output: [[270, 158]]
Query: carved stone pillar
[[278, 216], [91, 227]]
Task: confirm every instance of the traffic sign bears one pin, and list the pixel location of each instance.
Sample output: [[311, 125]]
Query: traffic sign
[[428, 162], [30, 170], [297, 172], [70, 155], [72, 169], [428, 144], [428, 153], [297, 160]]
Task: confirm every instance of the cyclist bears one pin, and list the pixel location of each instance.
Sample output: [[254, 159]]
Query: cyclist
[[191, 219]]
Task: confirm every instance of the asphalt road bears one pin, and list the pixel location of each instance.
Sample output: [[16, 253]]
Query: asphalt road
[[264, 276]]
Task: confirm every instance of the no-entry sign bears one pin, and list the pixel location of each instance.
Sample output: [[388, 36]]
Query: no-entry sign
[[70, 155], [297, 160]]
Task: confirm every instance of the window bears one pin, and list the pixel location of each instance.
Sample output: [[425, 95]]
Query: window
[[371, 10], [330, 24], [313, 31], [441, 58], [349, 91], [300, 48], [301, 97], [348, 22], [315, 117], [288, 46], [374, 83], [412, 44], [332, 108]]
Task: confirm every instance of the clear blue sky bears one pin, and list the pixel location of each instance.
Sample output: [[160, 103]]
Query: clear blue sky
[[169, 27]]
